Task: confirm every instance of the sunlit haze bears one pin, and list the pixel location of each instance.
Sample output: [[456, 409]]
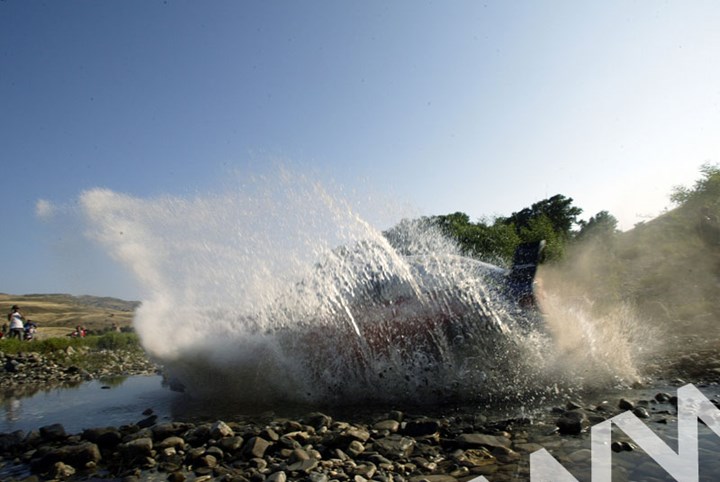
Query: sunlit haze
[[404, 108]]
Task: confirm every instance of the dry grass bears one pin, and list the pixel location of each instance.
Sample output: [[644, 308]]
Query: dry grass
[[59, 314]]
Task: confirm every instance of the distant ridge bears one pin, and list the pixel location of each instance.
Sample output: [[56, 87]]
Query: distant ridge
[[65, 310]]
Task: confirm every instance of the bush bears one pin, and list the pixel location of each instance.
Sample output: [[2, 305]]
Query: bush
[[108, 341], [116, 341]]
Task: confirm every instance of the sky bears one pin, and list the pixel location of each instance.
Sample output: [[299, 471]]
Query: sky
[[479, 107]]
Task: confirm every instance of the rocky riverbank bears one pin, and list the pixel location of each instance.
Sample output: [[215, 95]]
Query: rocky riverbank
[[25, 373], [391, 446], [376, 445]]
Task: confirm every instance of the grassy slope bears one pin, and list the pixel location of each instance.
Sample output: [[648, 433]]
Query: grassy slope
[[665, 267], [58, 314]]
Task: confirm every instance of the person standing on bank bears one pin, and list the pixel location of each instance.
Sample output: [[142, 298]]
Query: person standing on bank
[[17, 326]]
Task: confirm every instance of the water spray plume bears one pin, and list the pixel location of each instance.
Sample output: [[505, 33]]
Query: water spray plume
[[280, 291]]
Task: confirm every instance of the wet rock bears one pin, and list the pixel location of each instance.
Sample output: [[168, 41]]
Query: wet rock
[[52, 433], [572, 422], [75, 455], [470, 440], [231, 444], [271, 435], [198, 435], [279, 476], [641, 412], [11, 440], [164, 430], [572, 405], [62, 471], [106, 437], [433, 478], [255, 447], [317, 420], [137, 449], [173, 441], [421, 428], [355, 433], [303, 466], [395, 446], [391, 426], [625, 404], [147, 422], [221, 430], [355, 448]]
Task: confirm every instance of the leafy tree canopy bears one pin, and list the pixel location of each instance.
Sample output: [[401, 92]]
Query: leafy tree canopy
[[706, 190], [603, 224], [558, 210]]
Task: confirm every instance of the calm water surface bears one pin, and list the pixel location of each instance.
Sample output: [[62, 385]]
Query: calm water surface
[[91, 404]]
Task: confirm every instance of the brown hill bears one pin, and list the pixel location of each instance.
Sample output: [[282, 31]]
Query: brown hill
[[67, 311]]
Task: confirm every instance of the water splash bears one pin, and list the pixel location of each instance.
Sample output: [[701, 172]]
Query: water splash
[[280, 291]]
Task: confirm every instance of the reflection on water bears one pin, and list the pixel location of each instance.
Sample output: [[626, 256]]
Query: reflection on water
[[116, 401], [12, 409]]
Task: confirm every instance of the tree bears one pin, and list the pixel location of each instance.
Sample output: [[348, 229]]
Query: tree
[[706, 190], [603, 224], [558, 210]]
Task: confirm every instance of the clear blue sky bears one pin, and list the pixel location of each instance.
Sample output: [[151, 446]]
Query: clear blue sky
[[481, 107]]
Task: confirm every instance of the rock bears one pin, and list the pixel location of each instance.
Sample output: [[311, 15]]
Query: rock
[[62, 471], [572, 422], [625, 404], [137, 449], [662, 397], [355, 448], [482, 440], [433, 478], [175, 442], [389, 425], [641, 412], [396, 415], [255, 447], [105, 437], [505, 454], [164, 430], [198, 435], [75, 455], [395, 446], [207, 460], [271, 435], [221, 430], [147, 422], [355, 433], [421, 428], [475, 458], [11, 440], [572, 405], [582, 455], [303, 466], [278, 476], [231, 444], [318, 477], [53, 433], [317, 420]]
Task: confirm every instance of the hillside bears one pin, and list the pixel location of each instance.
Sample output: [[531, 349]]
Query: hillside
[[67, 311], [667, 268]]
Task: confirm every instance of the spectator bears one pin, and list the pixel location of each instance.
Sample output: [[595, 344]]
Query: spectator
[[17, 325]]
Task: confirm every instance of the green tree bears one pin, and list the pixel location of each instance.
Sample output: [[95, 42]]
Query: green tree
[[558, 210], [603, 225], [706, 190]]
